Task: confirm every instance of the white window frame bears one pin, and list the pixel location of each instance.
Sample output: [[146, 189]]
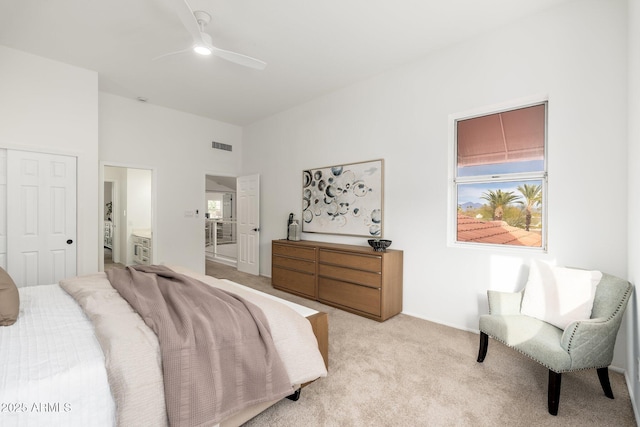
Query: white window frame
[[454, 180]]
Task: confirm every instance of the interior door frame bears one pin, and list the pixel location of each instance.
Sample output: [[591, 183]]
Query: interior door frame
[[154, 207]]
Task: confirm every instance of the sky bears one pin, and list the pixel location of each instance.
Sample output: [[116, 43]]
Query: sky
[[473, 192]]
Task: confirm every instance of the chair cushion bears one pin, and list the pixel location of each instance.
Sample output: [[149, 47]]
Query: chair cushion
[[537, 339], [559, 295], [9, 300]]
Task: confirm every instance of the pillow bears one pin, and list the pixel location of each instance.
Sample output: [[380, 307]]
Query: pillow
[[559, 295], [9, 300]]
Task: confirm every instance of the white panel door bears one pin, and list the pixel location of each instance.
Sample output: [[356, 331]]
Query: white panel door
[[248, 205], [41, 217]]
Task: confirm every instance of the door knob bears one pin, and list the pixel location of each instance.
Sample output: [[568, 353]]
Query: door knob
[[69, 242], [255, 229]]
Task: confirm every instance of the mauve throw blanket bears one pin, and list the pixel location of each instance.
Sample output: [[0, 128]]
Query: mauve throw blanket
[[217, 353]]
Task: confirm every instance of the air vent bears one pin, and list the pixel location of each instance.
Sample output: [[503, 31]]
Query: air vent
[[221, 146]]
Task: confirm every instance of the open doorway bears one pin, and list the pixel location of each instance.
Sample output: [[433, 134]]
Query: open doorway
[[109, 236], [128, 216], [221, 244]]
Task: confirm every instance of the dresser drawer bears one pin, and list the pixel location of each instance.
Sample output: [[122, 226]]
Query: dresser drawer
[[350, 277], [294, 264], [365, 278], [142, 241], [360, 298], [294, 281], [357, 261], [294, 251]]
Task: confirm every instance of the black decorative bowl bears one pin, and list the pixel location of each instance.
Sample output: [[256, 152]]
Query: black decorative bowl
[[379, 245]]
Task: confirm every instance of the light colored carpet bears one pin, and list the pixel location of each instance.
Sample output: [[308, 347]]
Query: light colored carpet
[[411, 372]]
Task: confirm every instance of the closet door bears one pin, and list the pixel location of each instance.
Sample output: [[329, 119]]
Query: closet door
[[41, 217]]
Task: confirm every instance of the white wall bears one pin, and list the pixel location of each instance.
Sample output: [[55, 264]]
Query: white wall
[[178, 147], [213, 185], [633, 324], [139, 198], [574, 54], [52, 107]]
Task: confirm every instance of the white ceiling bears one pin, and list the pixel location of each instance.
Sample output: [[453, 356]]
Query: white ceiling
[[311, 47]]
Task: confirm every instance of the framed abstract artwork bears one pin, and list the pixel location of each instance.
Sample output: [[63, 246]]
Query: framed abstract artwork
[[344, 199]]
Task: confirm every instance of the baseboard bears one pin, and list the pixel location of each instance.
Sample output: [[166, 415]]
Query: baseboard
[[475, 331], [631, 395]]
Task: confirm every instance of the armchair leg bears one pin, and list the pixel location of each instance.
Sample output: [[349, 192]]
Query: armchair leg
[[484, 343], [555, 380], [603, 375]]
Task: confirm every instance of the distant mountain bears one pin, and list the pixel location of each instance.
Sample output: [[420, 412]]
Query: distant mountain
[[470, 205]]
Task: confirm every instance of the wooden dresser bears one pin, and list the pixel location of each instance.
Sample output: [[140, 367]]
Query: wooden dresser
[[353, 278]]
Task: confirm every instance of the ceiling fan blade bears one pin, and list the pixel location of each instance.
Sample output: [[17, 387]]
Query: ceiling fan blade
[[184, 12], [194, 22], [238, 58], [177, 52]]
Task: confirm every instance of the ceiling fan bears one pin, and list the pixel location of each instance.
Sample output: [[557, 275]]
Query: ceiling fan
[[195, 22]]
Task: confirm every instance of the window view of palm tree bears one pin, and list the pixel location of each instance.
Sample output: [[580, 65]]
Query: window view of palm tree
[[532, 195], [498, 201], [500, 178]]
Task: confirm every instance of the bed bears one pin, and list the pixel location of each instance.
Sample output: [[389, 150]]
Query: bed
[[78, 355]]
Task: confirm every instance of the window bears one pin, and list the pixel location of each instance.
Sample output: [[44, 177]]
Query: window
[[214, 208], [500, 178]]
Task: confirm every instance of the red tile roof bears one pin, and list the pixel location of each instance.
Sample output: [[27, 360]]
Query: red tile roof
[[497, 232]]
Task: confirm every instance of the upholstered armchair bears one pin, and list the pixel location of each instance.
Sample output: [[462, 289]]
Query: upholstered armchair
[[583, 344]]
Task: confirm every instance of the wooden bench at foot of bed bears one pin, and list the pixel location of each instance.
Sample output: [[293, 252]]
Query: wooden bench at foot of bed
[[320, 325]]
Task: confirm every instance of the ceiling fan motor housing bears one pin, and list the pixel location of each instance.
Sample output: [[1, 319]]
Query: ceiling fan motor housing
[[202, 17]]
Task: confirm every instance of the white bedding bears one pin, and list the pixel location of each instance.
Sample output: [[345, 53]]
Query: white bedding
[[52, 367], [57, 377]]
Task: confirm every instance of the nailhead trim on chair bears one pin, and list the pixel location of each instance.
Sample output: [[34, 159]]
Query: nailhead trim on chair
[[615, 312], [537, 361], [573, 334]]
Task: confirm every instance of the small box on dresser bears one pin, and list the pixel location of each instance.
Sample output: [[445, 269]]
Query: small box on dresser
[[353, 278]]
